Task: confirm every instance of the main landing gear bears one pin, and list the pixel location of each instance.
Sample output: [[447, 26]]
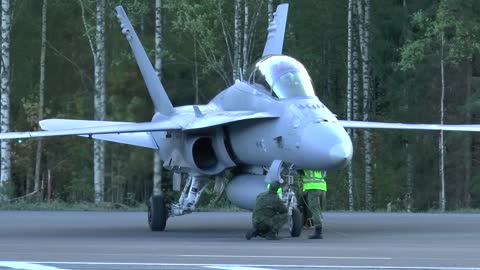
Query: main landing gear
[[159, 210], [157, 213]]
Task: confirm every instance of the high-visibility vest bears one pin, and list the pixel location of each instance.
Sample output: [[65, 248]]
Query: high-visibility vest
[[279, 190], [314, 180]]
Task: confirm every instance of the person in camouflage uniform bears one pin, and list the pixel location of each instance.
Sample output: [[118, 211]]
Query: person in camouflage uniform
[[269, 214], [315, 188]]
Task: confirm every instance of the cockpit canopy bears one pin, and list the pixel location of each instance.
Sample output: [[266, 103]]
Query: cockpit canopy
[[282, 75]]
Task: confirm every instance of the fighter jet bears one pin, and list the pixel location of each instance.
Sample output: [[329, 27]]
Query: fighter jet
[[266, 125]]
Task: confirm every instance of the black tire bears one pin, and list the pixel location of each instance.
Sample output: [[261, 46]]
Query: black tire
[[295, 223], [157, 213]]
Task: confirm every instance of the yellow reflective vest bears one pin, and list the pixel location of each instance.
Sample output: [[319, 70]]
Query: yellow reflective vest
[[314, 180]]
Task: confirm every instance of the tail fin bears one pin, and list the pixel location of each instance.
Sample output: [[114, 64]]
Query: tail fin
[[276, 31], [155, 88]]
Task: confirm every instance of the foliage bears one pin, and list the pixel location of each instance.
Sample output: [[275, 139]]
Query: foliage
[[404, 49]]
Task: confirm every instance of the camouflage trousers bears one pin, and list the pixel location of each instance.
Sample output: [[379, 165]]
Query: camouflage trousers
[[273, 224], [316, 200]]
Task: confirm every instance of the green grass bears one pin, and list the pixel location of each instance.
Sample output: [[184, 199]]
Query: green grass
[[88, 206], [63, 206]]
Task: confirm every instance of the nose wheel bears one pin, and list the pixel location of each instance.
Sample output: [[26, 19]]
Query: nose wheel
[[157, 213]]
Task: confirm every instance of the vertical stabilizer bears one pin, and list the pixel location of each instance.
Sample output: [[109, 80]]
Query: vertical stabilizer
[[276, 31], [155, 88]]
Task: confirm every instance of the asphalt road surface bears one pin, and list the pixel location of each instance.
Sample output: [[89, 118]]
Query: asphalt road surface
[[121, 240]]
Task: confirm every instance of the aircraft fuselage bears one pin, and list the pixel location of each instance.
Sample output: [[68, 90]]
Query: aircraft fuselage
[[304, 133]]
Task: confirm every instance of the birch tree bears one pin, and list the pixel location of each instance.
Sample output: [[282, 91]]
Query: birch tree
[[5, 99], [99, 145], [41, 93], [467, 145], [98, 52], [441, 142], [434, 45], [246, 29], [210, 25], [410, 166], [237, 41], [349, 100], [363, 7], [270, 11], [157, 163]]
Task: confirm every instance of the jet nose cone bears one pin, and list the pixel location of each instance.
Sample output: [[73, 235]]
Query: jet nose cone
[[324, 146], [341, 153]]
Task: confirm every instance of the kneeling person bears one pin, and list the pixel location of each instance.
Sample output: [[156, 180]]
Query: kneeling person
[[269, 214]]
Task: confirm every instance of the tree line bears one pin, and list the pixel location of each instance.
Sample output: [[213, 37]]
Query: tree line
[[411, 61]]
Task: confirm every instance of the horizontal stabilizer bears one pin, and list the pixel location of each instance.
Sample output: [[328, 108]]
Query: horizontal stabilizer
[[383, 125], [134, 133], [65, 127]]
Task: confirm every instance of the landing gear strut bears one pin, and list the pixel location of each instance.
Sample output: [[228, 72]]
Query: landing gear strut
[[295, 216], [159, 210]]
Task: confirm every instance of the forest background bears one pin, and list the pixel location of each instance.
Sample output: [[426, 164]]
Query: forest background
[[411, 61]]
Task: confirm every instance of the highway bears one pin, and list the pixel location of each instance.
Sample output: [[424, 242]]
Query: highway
[[44, 240]]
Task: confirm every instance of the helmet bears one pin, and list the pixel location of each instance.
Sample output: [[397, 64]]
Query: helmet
[[274, 186]]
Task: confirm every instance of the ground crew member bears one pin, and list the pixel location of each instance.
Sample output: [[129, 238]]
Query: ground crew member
[[315, 187], [269, 214]]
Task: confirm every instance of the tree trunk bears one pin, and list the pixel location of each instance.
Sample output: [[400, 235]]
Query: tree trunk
[[270, 11], [409, 180], [99, 146], [195, 72], [5, 99], [236, 42], [363, 29], [157, 162], [468, 139], [441, 144], [410, 166], [355, 75], [245, 37], [349, 100], [41, 93]]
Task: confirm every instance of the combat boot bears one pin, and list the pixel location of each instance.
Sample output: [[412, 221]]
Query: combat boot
[[317, 234], [272, 236], [308, 223], [251, 233]]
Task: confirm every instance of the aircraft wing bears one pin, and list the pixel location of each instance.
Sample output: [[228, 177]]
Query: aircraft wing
[[383, 125], [224, 117]]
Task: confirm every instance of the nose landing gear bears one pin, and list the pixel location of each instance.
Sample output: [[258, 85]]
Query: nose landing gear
[[295, 216]]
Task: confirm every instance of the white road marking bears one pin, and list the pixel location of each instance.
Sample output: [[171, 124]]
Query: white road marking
[[236, 268], [27, 266], [265, 265], [284, 257]]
